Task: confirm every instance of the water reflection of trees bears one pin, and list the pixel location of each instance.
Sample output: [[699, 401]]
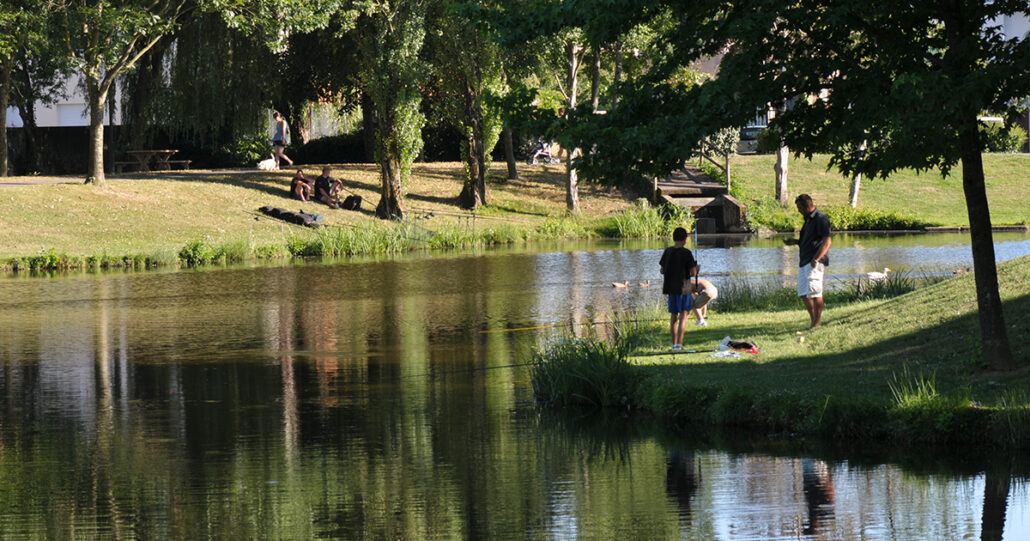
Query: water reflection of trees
[[162, 406]]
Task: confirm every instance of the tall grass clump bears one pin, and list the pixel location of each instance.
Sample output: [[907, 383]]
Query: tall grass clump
[[846, 218], [591, 372], [922, 414], [748, 296], [896, 284], [1011, 420], [564, 227], [234, 251], [645, 221], [372, 238]]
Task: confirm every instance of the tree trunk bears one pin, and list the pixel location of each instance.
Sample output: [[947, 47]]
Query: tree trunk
[[25, 101], [782, 155], [856, 182], [97, 100], [369, 118], [572, 184], [996, 494], [473, 194], [391, 198], [617, 77], [995, 340], [509, 153], [5, 98], [595, 81]]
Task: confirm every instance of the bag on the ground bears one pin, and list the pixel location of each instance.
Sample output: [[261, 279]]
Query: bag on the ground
[[352, 202]]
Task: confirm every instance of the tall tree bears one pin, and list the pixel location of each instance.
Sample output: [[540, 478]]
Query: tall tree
[[106, 38], [390, 37], [19, 26], [467, 63], [910, 80]]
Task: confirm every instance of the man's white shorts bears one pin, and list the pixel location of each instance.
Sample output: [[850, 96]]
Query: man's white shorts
[[810, 280]]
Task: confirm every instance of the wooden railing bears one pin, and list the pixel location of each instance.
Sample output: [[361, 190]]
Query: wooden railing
[[706, 152]]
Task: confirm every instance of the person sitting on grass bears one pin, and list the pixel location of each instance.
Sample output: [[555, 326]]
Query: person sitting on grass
[[704, 293], [677, 265], [301, 187], [327, 188]]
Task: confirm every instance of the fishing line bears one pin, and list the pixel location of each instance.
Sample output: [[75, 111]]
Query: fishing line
[[517, 329]]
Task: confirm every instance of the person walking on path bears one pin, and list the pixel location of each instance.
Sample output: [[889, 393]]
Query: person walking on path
[[279, 140], [814, 243], [677, 265]]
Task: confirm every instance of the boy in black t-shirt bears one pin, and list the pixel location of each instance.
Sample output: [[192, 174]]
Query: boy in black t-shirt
[[677, 266]]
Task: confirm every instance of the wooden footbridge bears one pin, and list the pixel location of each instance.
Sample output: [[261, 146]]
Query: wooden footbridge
[[710, 202]]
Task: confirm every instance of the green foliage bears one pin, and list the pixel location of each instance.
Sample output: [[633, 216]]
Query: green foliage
[[562, 227], [390, 36], [583, 372], [997, 137], [922, 414], [846, 218], [645, 221], [768, 141], [1010, 421], [725, 140], [245, 151], [46, 260], [234, 251], [196, 252]]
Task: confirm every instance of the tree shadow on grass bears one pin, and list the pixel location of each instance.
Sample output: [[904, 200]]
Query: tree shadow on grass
[[950, 351]]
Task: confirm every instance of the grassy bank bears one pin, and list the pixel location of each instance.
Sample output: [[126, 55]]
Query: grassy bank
[[906, 369], [197, 217], [924, 198]]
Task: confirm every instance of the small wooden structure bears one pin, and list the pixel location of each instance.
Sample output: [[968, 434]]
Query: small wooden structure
[[715, 210], [141, 160]]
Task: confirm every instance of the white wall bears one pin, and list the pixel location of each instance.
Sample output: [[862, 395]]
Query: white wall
[[71, 110]]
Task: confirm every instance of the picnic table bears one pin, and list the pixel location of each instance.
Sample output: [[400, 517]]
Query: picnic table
[[161, 158]]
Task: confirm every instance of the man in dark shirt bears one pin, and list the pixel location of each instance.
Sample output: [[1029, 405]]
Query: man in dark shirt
[[677, 266], [327, 188], [812, 257]]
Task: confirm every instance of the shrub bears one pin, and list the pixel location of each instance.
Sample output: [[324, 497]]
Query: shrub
[[846, 218], [768, 141], [196, 252], [245, 151], [997, 137]]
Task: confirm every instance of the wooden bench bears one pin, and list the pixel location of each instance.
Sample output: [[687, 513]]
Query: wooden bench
[[120, 166], [183, 164]]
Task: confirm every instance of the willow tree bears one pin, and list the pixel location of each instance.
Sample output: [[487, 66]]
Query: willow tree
[[390, 37], [909, 80], [467, 64]]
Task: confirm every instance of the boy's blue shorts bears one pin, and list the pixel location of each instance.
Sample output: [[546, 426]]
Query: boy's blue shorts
[[680, 303]]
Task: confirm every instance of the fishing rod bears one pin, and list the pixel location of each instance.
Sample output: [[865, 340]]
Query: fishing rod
[[517, 329]]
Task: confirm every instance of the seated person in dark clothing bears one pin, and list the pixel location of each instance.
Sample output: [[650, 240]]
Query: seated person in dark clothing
[[301, 187], [327, 188]]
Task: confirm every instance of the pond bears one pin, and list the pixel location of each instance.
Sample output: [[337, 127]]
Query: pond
[[359, 399]]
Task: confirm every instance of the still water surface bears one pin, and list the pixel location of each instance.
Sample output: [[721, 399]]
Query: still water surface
[[359, 400]]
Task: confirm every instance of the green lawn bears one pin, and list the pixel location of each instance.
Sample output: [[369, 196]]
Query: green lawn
[[156, 214], [926, 196], [860, 346], [835, 380]]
